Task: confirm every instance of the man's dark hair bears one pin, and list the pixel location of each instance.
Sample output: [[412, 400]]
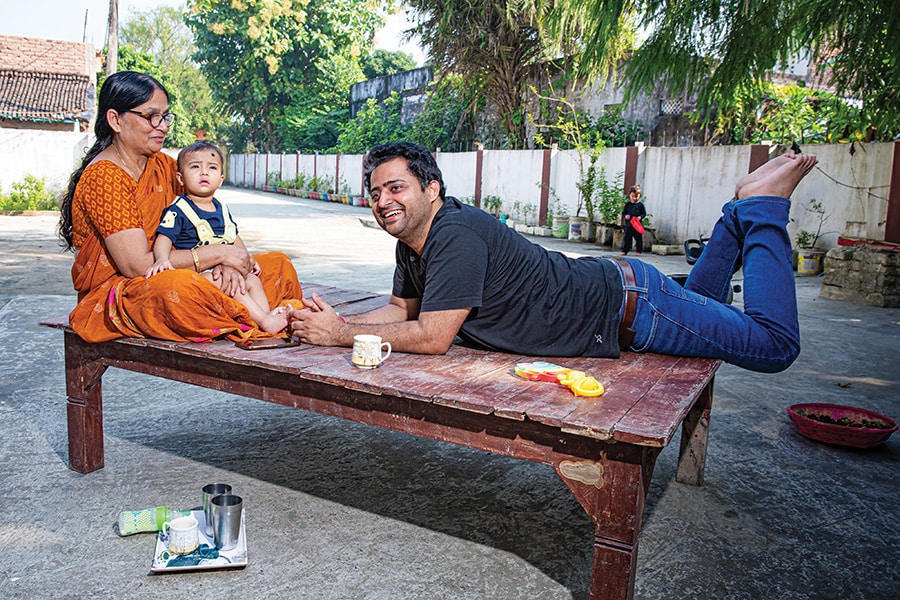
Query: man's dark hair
[[199, 146], [419, 161]]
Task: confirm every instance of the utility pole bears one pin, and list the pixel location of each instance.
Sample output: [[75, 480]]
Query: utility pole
[[112, 38]]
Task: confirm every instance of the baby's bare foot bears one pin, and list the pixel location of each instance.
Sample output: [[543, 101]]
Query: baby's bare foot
[[782, 181], [276, 320]]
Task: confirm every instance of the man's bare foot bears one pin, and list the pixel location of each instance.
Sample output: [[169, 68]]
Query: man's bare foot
[[762, 172], [782, 181], [276, 320]]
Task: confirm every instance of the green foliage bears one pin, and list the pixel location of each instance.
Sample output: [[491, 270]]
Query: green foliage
[[609, 197], [448, 118], [715, 49], [274, 64], [790, 113], [320, 183], [374, 124], [29, 194], [492, 204], [559, 122], [573, 129], [445, 122], [158, 42], [308, 132], [808, 239], [804, 239], [596, 34], [858, 41], [386, 62], [494, 45], [181, 133]]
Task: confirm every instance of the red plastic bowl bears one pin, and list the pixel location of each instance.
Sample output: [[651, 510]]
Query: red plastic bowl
[[841, 435]]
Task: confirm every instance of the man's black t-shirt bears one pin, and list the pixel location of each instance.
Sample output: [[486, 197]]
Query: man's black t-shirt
[[524, 299]]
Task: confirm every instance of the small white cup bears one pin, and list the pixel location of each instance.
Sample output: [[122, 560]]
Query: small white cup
[[182, 534], [367, 351]]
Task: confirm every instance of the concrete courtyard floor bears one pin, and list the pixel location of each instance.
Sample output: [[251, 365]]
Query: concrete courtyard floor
[[338, 510]]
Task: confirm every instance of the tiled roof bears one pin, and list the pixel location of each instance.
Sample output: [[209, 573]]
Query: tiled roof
[[45, 96], [47, 56]]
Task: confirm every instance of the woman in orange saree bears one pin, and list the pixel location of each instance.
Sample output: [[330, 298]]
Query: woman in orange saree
[[109, 218]]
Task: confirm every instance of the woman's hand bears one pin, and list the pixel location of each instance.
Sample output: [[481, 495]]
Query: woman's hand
[[230, 281], [236, 257]]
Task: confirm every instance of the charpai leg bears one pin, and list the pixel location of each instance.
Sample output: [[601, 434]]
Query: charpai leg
[[694, 437], [84, 405], [612, 491]]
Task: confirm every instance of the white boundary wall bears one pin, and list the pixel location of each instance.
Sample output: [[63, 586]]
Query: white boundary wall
[[684, 187], [52, 155]]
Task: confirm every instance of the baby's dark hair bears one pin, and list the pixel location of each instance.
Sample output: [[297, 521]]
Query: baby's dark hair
[[419, 161], [199, 146]]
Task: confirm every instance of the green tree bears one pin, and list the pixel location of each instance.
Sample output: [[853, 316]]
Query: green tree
[[446, 121], [721, 49], [375, 123], [386, 62], [449, 117], [493, 44], [161, 36], [181, 133], [274, 63], [789, 113]]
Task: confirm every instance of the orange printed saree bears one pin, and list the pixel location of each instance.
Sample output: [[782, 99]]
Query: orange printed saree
[[177, 305]]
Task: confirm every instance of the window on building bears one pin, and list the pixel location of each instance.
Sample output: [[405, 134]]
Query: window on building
[[671, 106]]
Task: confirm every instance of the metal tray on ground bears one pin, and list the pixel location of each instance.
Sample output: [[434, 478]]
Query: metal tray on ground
[[205, 557]]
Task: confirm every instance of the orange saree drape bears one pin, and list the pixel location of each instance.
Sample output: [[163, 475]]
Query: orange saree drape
[[177, 305]]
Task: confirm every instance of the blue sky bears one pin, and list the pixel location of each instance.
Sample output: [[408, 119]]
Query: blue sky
[[65, 20]]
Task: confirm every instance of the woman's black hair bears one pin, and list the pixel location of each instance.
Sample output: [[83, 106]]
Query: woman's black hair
[[419, 161], [121, 92]]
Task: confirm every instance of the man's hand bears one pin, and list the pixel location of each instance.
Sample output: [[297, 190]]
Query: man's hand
[[398, 322], [317, 324]]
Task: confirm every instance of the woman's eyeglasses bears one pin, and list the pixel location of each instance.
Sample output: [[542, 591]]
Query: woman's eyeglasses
[[155, 119]]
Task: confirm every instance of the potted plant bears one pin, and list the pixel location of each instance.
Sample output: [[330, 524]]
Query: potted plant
[[809, 259], [572, 129], [492, 204], [610, 201]]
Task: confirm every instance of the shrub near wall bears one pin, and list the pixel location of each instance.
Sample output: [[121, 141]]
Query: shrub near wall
[[30, 194], [288, 188]]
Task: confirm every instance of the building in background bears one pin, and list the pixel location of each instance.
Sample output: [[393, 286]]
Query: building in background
[[47, 85]]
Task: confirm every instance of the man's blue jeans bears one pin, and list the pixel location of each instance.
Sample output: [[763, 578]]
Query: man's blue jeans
[[694, 320]]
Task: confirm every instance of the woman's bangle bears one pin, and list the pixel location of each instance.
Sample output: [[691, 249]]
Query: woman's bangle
[[196, 258]]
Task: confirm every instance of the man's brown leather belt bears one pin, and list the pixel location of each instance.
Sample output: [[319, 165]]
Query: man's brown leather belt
[[626, 333]]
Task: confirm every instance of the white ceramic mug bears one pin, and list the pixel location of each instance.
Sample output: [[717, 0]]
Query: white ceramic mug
[[182, 534], [367, 351]]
